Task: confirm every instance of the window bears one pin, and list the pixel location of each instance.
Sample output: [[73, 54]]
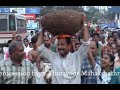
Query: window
[[3, 23], [21, 23], [21, 26], [12, 23]]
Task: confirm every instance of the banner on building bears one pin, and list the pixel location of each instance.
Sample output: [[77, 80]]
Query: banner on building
[[4, 10], [32, 26], [18, 10], [32, 10], [30, 16]]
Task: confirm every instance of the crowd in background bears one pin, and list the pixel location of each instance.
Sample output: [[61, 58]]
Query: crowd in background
[[103, 57], [104, 47]]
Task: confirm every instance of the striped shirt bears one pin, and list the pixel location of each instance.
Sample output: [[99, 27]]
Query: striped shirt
[[89, 78], [16, 74]]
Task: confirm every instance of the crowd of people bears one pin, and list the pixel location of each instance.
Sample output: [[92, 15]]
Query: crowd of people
[[42, 58]]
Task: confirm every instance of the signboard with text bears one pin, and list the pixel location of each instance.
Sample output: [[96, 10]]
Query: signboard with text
[[4, 10], [30, 16], [32, 26], [19, 10], [32, 10]]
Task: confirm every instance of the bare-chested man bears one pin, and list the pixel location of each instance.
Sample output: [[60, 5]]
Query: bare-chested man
[[35, 58], [33, 54], [39, 61]]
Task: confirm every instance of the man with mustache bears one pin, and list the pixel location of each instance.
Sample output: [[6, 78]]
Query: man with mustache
[[47, 42], [16, 70], [66, 66]]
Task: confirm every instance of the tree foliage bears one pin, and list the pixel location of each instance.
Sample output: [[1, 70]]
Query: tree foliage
[[93, 14], [47, 9]]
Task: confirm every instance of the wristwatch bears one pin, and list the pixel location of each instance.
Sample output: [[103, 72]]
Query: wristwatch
[[85, 25]]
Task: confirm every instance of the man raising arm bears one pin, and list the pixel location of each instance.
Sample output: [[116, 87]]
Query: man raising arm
[[64, 63]]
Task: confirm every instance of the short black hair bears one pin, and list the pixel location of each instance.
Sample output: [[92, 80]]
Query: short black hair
[[109, 37], [25, 39], [95, 34], [34, 39], [114, 32], [18, 36], [74, 35], [8, 42], [31, 32], [68, 40]]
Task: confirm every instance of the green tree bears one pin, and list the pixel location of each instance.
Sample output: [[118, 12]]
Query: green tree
[[47, 9]]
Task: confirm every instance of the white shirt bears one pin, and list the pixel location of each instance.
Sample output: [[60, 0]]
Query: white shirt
[[39, 76], [26, 47], [62, 67], [103, 44], [26, 50], [116, 57], [29, 38], [106, 35]]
